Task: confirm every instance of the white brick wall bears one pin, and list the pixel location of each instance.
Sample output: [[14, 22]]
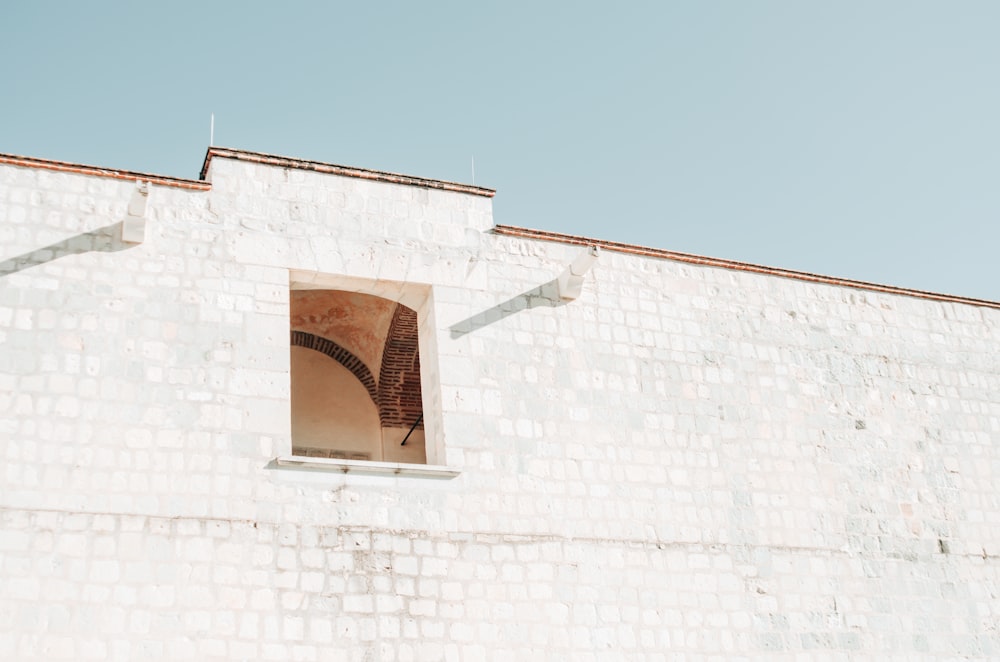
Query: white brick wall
[[686, 462]]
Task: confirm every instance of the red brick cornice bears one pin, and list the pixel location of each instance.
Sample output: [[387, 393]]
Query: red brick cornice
[[344, 171], [542, 235], [95, 171]]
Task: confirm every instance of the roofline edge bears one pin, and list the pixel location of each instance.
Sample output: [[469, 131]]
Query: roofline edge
[[97, 171], [344, 171], [689, 258]]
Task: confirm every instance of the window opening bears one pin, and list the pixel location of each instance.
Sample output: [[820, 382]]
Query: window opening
[[340, 341]]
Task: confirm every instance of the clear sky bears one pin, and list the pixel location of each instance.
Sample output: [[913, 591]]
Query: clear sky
[[850, 138]]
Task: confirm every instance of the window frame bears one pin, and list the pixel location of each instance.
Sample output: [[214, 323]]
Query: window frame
[[419, 297]]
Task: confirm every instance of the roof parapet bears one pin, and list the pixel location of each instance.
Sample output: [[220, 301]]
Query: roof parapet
[[344, 171], [96, 171], [633, 249]]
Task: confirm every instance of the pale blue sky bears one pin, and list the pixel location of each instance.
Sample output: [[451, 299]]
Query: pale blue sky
[[854, 139]]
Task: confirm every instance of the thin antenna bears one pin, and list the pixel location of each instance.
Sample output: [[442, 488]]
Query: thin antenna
[[473, 170], [211, 132]]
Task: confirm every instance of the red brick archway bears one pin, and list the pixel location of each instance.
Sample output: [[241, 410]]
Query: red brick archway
[[400, 401], [341, 356]]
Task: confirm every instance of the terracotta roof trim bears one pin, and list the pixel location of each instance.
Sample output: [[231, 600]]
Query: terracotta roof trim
[[96, 171], [508, 230], [344, 171], [688, 258]]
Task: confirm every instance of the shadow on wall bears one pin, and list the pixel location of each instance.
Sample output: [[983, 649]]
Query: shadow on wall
[[546, 295], [106, 240]]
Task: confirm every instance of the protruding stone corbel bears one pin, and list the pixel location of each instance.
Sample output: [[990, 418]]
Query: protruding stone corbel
[[571, 280], [134, 225]]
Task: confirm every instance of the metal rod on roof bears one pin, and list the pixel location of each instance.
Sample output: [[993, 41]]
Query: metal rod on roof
[[211, 131]]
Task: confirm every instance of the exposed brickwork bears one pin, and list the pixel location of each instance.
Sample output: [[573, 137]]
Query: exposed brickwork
[[341, 356], [400, 402]]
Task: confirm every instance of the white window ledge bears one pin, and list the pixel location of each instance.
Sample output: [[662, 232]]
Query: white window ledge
[[366, 467]]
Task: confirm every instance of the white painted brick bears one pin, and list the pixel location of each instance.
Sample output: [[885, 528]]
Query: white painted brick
[[686, 462]]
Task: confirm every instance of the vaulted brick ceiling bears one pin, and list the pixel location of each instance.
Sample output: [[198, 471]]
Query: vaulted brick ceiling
[[356, 322], [380, 333]]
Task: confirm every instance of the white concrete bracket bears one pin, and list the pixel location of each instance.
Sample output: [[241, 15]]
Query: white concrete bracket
[[134, 225], [571, 280]]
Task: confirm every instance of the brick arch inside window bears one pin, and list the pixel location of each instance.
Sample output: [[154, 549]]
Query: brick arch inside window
[[397, 392], [377, 339], [342, 356], [400, 401]]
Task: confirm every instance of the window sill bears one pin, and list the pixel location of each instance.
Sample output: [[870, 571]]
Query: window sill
[[366, 467]]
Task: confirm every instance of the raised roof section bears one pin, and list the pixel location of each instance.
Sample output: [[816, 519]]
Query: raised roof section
[[508, 230], [343, 171]]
